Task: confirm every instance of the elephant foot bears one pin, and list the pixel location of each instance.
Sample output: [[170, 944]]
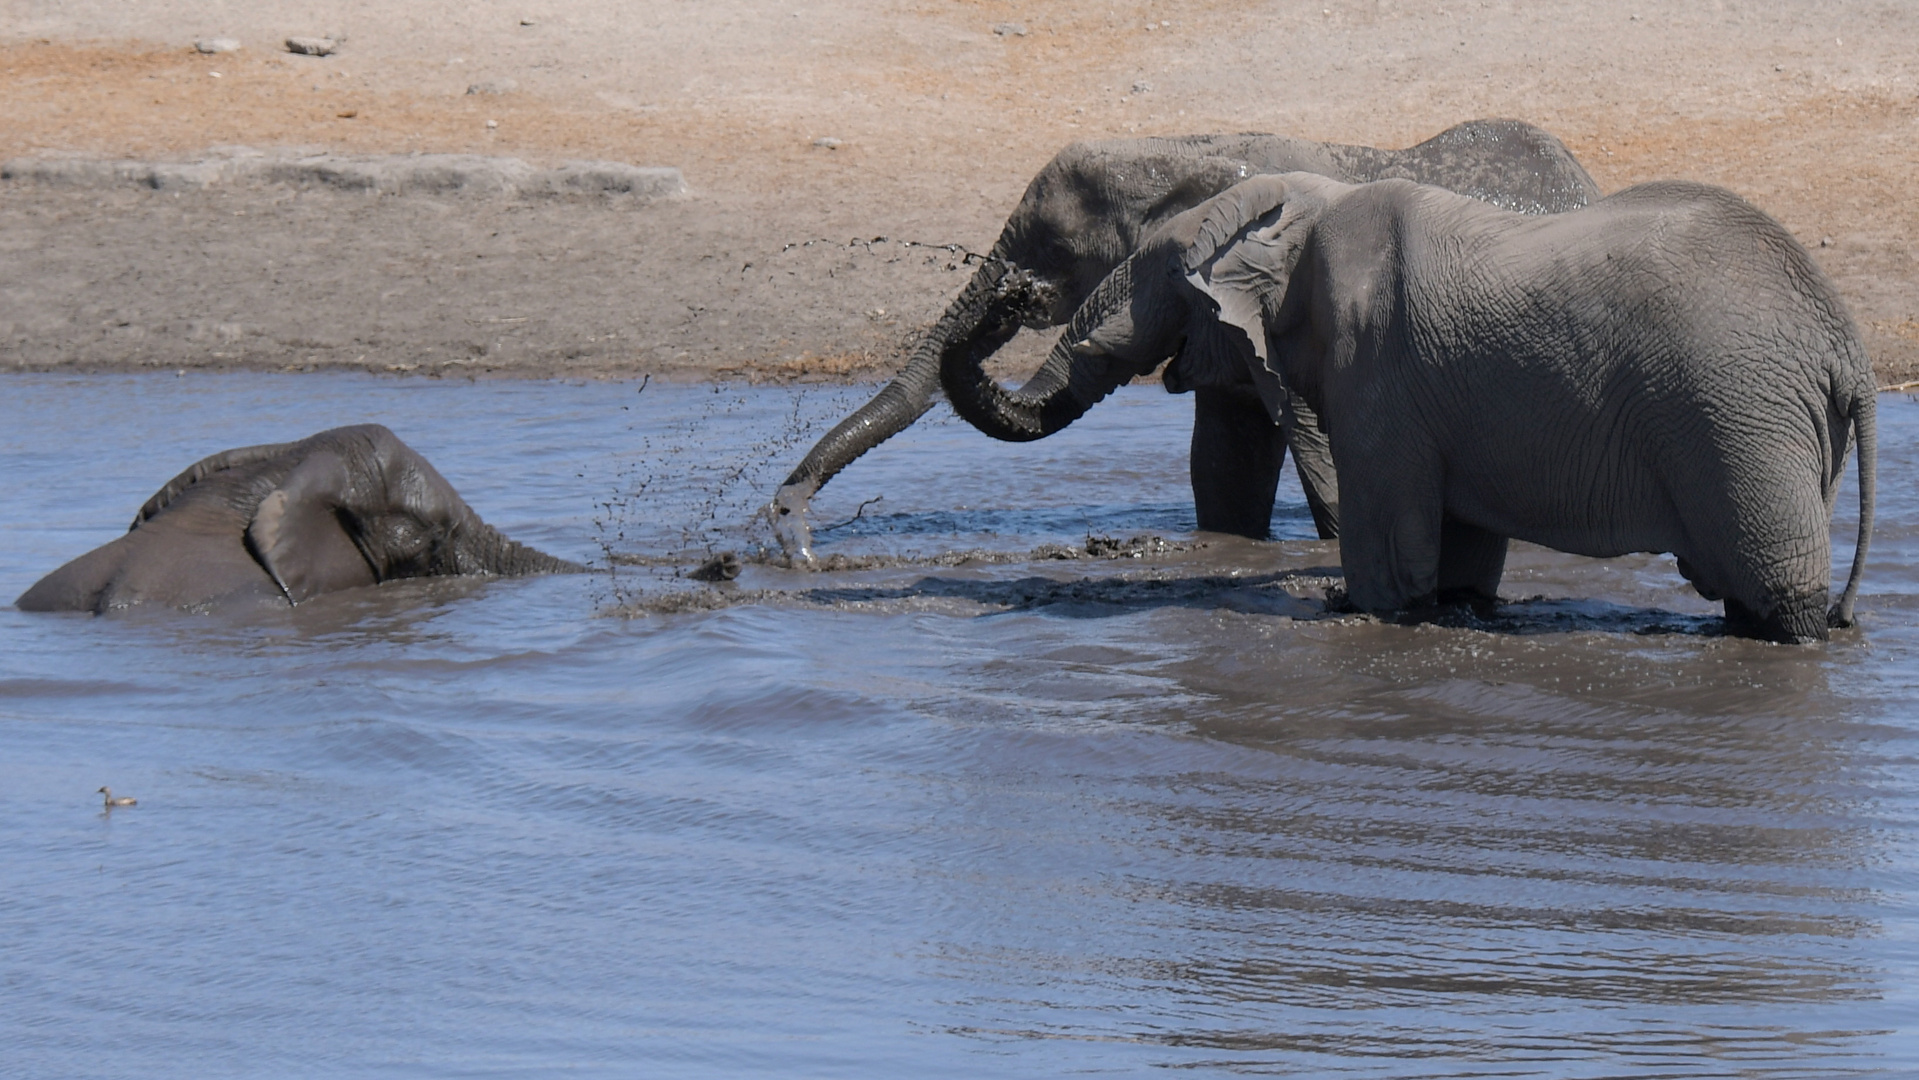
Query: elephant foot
[[1800, 622], [1448, 606], [1483, 606]]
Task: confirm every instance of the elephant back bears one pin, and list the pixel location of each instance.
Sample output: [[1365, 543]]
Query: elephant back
[[1508, 163]]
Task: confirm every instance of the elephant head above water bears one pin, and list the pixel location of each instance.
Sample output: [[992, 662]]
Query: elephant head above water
[[1086, 210], [1666, 370], [282, 523]]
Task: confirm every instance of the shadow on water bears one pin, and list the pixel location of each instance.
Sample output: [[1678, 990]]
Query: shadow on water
[[1299, 593]]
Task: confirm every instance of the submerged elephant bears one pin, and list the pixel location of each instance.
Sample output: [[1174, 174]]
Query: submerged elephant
[[1666, 370], [1087, 210], [282, 523]]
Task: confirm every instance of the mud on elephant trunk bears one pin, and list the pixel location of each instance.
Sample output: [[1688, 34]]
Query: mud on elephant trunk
[[1069, 383]]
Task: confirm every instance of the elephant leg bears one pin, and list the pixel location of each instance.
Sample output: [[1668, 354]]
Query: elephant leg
[[1236, 457], [1313, 461], [1389, 541], [1796, 622], [1760, 541], [1471, 561]]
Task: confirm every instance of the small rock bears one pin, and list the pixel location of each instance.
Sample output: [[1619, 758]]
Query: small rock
[[312, 46], [493, 86], [1142, 87], [722, 567], [491, 124], [1009, 29], [526, 22], [1825, 241], [217, 45], [828, 142]]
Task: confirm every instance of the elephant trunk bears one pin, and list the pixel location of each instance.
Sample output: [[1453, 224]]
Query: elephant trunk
[[482, 549], [1070, 382], [984, 316]]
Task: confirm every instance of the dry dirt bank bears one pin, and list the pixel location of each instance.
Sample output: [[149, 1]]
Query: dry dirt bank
[[1812, 111]]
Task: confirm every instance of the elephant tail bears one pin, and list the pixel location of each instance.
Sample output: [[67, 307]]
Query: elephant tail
[[1865, 424]]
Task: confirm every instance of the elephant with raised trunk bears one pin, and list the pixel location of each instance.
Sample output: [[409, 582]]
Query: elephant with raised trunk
[[1666, 370], [1086, 211], [282, 523]]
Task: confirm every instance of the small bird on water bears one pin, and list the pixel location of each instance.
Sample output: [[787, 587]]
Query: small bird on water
[[112, 801]]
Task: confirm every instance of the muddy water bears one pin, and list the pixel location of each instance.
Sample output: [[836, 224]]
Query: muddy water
[[999, 818]]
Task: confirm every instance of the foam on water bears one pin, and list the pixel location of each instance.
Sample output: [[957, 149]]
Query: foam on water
[[1015, 818]]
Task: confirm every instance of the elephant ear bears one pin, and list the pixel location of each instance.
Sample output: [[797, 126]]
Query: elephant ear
[[1241, 252], [297, 534]]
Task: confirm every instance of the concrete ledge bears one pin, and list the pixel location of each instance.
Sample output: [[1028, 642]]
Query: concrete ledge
[[391, 174]]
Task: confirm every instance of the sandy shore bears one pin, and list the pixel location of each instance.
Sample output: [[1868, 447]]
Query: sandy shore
[[799, 127]]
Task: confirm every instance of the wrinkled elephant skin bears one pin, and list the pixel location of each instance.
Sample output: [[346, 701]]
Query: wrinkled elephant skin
[[1666, 370], [282, 523], [1085, 212]]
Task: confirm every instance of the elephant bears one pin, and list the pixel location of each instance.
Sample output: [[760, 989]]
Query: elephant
[[282, 523], [1085, 211], [1666, 370]]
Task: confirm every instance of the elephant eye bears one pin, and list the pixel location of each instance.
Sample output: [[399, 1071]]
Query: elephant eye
[[405, 542]]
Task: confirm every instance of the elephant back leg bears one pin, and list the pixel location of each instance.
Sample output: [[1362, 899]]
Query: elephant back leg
[[1237, 453], [1471, 562], [1764, 547], [80, 584], [1796, 622]]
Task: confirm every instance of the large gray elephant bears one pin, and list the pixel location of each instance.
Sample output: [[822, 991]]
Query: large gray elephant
[[1086, 211], [282, 523], [1666, 370]]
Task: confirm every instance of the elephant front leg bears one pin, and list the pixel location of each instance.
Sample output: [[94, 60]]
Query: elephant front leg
[[1389, 540], [1236, 458], [1313, 461], [1471, 562]]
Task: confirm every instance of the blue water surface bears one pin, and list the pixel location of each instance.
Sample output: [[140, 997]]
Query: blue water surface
[[1019, 819]]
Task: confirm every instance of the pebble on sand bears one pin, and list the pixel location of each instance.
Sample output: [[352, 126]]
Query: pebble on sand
[[493, 86], [216, 45], [1010, 29], [828, 142], [312, 46]]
